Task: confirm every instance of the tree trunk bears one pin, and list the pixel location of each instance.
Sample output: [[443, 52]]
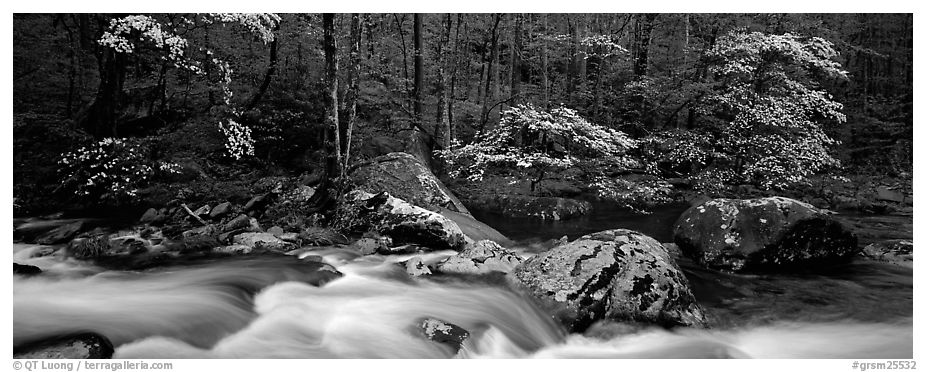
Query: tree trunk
[[443, 99], [573, 50], [496, 72], [353, 88], [643, 30], [333, 169], [581, 54], [516, 61], [489, 73], [398, 25], [453, 80], [271, 69], [419, 143], [544, 63], [102, 117]]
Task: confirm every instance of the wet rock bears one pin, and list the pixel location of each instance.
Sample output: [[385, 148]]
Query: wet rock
[[80, 346], [151, 216], [201, 231], [480, 257], [404, 223], [292, 209], [220, 210], [126, 245], [614, 274], [94, 246], [313, 258], [200, 243], [27, 270], [258, 240], [540, 207], [773, 233], [474, 229], [897, 251], [61, 234], [28, 229], [253, 225], [443, 332], [234, 249], [673, 249], [319, 236], [276, 231], [240, 222], [404, 177], [416, 267], [373, 244], [257, 203], [202, 211], [886, 194], [289, 237]]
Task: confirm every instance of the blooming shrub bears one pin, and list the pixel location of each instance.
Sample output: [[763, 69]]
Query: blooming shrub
[[776, 136], [635, 195], [238, 140], [125, 35], [538, 142], [676, 152], [112, 168]]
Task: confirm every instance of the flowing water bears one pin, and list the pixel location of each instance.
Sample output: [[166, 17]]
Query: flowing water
[[264, 307]]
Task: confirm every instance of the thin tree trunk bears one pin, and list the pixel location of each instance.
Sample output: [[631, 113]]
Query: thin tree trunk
[[353, 88], [271, 69], [419, 143], [404, 54], [544, 63], [443, 83], [581, 54], [453, 81], [490, 74], [516, 61], [643, 31], [330, 46]]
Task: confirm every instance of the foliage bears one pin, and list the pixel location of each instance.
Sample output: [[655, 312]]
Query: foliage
[[126, 33], [775, 133], [676, 152], [636, 195], [238, 139], [537, 141], [112, 168]]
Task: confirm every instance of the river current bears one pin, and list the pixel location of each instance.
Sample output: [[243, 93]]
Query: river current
[[263, 307]]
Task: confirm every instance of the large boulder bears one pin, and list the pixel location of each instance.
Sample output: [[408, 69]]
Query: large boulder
[[481, 257], [81, 346], [762, 234], [540, 207], [403, 176], [615, 274], [474, 229], [404, 223]]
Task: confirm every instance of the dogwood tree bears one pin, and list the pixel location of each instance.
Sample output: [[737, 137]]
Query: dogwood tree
[[777, 111], [539, 142], [128, 34]]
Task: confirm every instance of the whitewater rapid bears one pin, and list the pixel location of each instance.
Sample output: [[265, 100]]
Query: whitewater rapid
[[264, 307]]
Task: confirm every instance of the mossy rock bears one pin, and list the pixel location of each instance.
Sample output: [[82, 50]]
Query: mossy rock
[[764, 234], [615, 274]]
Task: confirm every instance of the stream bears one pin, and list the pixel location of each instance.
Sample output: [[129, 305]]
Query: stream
[[263, 306]]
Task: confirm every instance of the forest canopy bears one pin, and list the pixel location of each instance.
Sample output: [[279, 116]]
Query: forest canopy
[[110, 107]]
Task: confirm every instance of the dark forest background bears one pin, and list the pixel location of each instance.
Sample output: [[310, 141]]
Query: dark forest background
[[417, 83]]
